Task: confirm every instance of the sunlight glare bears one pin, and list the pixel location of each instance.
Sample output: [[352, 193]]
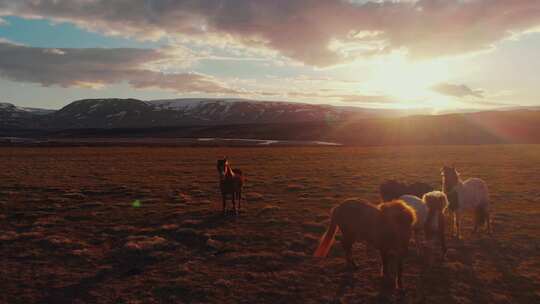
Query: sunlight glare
[[396, 76]]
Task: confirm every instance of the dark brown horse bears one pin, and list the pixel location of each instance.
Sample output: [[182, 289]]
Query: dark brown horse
[[231, 182], [387, 227], [392, 189]]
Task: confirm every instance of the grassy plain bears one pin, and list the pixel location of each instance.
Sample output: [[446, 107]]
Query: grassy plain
[[71, 230]]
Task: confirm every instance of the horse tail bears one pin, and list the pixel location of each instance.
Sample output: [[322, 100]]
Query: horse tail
[[327, 240], [481, 214]]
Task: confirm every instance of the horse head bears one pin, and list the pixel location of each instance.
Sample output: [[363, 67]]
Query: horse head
[[391, 190], [222, 166], [450, 178], [437, 202]]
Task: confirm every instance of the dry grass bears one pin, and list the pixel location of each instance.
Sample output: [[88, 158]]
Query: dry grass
[[71, 233]]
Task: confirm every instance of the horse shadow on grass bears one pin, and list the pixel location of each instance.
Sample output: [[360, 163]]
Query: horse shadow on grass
[[522, 289], [78, 291], [121, 264]]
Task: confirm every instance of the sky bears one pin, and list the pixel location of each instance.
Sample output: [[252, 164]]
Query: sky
[[429, 54]]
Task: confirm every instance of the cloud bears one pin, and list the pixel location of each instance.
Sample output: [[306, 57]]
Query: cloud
[[365, 98], [457, 90], [318, 33], [352, 98], [98, 67]]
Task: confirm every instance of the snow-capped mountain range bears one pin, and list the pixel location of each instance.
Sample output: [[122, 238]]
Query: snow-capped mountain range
[[133, 113]]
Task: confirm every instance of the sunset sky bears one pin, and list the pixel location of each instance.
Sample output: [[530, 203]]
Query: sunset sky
[[439, 54]]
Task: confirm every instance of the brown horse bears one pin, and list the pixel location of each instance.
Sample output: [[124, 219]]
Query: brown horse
[[387, 227], [231, 182]]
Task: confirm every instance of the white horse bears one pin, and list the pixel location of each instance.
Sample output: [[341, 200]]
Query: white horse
[[464, 196], [429, 216], [421, 210]]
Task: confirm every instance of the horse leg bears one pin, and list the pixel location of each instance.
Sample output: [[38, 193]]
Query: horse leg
[[417, 241], [384, 261], [233, 195], [442, 237], [399, 273], [239, 197], [476, 219], [488, 222], [452, 224], [389, 272], [347, 244], [224, 202], [458, 225]]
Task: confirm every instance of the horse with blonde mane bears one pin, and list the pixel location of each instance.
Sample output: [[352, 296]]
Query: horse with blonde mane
[[429, 211], [464, 196], [386, 227], [231, 182]]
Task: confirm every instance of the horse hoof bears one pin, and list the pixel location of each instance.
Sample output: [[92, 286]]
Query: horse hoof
[[401, 292], [384, 297]]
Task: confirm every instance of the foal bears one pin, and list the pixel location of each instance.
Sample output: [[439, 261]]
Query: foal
[[386, 227], [231, 182]]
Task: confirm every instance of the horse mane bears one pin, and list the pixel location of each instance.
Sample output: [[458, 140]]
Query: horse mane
[[436, 201], [400, 212], [237, 171], [396, 222], [228, 170]]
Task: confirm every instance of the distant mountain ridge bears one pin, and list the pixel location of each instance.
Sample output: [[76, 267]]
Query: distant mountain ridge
[[246, 119], [15, 117], [134, 113]]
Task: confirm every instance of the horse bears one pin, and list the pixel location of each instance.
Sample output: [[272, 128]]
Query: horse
[[419, 189], [231, 182], [429, 209], [463, 196], [387, 227], [434, 227], [421, 211], [393, 189]]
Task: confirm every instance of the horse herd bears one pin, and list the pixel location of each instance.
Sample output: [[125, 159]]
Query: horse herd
[[404, 211]]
